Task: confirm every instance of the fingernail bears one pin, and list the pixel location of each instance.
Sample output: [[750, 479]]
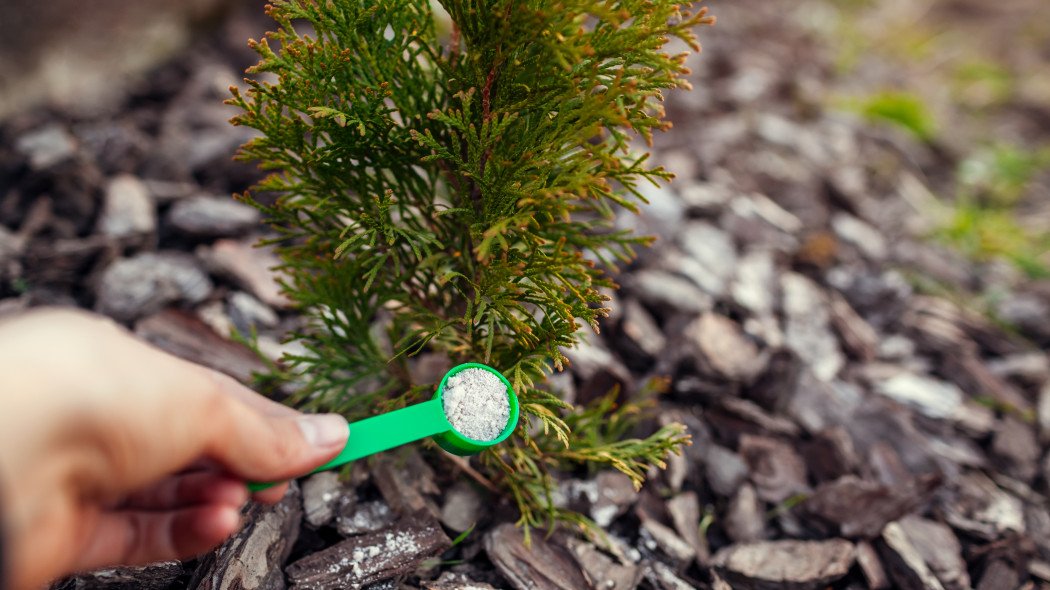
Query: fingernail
[[324, 430]]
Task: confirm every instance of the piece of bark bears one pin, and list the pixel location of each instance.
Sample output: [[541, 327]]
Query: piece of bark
[[980, 507], [364, 517], [785, 565], [157, 576], [603, 571], [723, 348], [374, 557], [971, 375], [402, 490], [777, 471], [684, 510], [186, 336], [830, 455], [456, 581], [858, 337], [998, 575], [252, 559], [661, 577], [250, 267], [871, 567], [322, 493], [1015, 449], [902, 560], [939, 548], [542, 566], [656, 535], [837, 503], [745, 519]]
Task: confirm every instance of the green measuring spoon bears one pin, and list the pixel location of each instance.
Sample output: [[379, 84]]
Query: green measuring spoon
[[393, 429]]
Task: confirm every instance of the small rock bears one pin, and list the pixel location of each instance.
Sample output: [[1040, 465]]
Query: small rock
[[250, 267], [794, 565], [724, 470], [321, 495], [133, 287], [206, 216], [462, 508], [47, 146], [807, 331], [745, 519], [128, 209]]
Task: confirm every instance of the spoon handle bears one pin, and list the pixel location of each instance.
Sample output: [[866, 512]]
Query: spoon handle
[[384, 432]]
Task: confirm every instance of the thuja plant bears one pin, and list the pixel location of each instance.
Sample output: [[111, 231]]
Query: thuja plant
[[446, 183]]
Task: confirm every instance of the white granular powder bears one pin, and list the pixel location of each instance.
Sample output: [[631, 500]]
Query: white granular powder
[[476, 404]]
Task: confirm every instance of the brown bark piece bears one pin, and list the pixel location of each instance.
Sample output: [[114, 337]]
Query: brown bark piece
[[785, 565], [837, 503], [542, 566], [371, 558], [252, 559], [186, 336]]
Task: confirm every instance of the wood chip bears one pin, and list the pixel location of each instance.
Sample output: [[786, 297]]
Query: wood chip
[[837, 503], [184, 335], [371, 558], [785, 565], [543, 566], [905, 565]]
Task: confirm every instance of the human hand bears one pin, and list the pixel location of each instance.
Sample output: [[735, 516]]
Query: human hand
[[114, 452]]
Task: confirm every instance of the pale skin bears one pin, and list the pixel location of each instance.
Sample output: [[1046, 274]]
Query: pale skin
[[113, 452]]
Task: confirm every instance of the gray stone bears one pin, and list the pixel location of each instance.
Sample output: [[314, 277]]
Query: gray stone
[[137, 286], [206, 216], [47, 146], [127, 210]]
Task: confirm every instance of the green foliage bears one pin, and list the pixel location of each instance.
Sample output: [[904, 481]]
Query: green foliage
[[901, 109], [984, 223], [453, 197]]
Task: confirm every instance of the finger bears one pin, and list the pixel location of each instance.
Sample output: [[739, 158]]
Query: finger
[[266, 448], [258, 402], [188, 489], [141, 537], [271, 494]]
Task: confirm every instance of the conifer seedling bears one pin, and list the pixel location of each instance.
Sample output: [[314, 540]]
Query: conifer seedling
[[445, 181]]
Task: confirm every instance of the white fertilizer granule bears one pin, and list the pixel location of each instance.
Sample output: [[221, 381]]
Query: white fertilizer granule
[[476, 404]]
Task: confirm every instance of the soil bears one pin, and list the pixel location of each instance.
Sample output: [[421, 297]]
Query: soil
[[857, 419]]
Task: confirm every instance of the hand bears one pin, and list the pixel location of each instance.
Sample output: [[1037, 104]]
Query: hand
[[113, 452]]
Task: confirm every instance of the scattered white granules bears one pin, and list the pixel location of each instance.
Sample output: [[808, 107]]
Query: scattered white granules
[[476, 404]]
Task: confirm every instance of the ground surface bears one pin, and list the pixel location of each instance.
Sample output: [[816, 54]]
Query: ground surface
[[868, 392]]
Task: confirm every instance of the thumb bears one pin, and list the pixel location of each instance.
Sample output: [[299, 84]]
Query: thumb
[[263, 448]]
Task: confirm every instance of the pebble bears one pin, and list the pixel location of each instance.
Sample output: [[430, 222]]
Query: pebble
[[462, 508], [724, 470]]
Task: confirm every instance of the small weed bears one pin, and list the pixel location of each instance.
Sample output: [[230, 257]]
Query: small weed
[[901, 109]]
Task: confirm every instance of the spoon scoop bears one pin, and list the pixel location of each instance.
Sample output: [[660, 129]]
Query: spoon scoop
[[416, 422]]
